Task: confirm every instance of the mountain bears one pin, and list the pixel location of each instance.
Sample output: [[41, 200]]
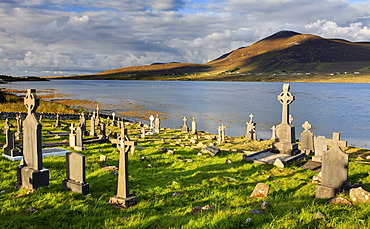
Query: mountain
[[284, 51]]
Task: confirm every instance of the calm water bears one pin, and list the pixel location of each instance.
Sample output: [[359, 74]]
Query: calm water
[[329, 108]]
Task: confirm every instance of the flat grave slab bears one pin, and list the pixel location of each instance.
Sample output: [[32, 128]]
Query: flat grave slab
[[267, 157], [48, 152]]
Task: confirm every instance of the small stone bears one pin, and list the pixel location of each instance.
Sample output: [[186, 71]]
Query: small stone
[[320, 215], [339, 200], [359, 195], [261, 190], [247, 220], [103, 158], [3, 191], [171, 151], [207, 207], [316, 179], [115, 173], [99, 151], [109, 168], [367, 158], [195, 210], [31, 210], [255, 211], [148, 165], [229, 161], [189, 160], [265, 205], [278, 163], [199, 154], [175, 194]]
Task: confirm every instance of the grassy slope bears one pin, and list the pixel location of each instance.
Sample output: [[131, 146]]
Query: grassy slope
[[205, 181]]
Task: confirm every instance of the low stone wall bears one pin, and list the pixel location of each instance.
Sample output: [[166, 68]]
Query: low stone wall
[[12, 115]]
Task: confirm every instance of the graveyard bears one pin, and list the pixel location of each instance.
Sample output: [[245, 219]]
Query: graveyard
[[120, 174]]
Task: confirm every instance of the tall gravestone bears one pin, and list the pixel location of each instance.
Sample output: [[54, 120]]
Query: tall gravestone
[[79, 139], [19, 133], [320, 146], [75, 171], [114, 121], [123, 198], [9, 147], [92, 125], [57, 122], [307, 139], [251, 133], [157, 124], [193, 126], [185, 127], [285, 132], [82, 124], [221, 133], [31, 174], [72, 136], [273, 133], [334, 169]]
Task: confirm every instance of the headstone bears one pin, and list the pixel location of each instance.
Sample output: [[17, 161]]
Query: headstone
[[285, 132], [251, 133], [9, 147], [97, 116], [185, 128], [114, 122], [19, 133], [142, 132], [151, 119], [334, 170], [123, 198], [102, 131], [221, 133], [79, 140], [193, 126], [157, 124], [92, 126], [75, 169], [31, 174], [261, 190], [278, 163], [82, 123], [72, 136], [307, 139], [57, 122], [212, 150], [320, 147]]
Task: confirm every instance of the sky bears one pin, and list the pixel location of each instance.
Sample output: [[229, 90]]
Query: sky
[[58, 37]]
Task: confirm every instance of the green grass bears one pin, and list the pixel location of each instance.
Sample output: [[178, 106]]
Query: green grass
[[205, 181]]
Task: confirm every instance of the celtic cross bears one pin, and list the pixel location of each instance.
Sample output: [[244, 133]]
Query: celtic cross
[[31, 101], [285, 98]]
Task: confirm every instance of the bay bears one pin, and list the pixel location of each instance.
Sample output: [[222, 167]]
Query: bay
[[329, 107]]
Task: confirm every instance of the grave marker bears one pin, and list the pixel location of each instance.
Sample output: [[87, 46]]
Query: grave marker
[[75, 171], [193, 126], [307, 139], [157, 124], [72, 136], [92, 125], [185, 128], [79, 140], [19, 133], [221, 133], [9, 147], [251, 133]]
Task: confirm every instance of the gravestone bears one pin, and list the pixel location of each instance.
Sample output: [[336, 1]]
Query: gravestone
[[31, 174], [185, 128], [128, 144], [157, 124], [92, 125], [193, 126], [221, 133], [19, 133], [321, 146], [82, 123], [142, 132], [251, 133], [79, 140], [57, 122], [72, 136], [151, 119], [285, 132], [97, 117], [75, 171], [307, 139], [9, 147], [334, 169], [123, 198], [114, 122], [102, 131]]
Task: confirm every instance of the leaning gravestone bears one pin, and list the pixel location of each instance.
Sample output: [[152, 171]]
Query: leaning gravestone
[[123, 198], [307, 139], [285, 131], [334, 170], [75, 171], [31, 174], [251, 133]]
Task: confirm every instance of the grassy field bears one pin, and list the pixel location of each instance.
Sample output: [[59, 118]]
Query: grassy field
[[168, 187]]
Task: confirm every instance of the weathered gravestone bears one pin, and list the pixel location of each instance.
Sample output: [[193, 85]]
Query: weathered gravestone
[[123, 198], [72, 136], [251, 133], [151, 119], [307, 139], [285, 132], [97, 116], [114, 122], [92, 125], [79, 139], [9, 147], [334, 170], [157, 124], [75, 171], [82, 123], [185, 127], [102, 131], [321, 146], [57, 122], [19, 133], [31, 174], [221, 133], [193, 126], [273, 133]]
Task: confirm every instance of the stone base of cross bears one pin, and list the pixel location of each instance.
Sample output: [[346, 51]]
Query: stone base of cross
[[31, 178], [121, 202], [285, 140]]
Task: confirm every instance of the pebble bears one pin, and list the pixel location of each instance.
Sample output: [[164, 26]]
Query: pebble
[[247, 220], [207, 207], [265, 205], [195, 210], [31, 210], [320, 215]]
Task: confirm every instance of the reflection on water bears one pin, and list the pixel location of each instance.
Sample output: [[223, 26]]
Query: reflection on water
[[328, 107]]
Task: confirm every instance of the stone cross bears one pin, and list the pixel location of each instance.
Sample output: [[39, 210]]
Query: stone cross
[[221, 133], [157, 124], [123, 198], [251, 133], [185, 127], [193, 126], [31, 174], [19, 133], [114, 122], [334, 170], [72, 136], [151, 119], [285, 98], [75, 171], [307, 139], [97, 117], [92, 126]]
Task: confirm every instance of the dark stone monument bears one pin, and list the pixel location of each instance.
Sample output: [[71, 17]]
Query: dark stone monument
[[75, 171], [285, 132], [251, 133], [334, 170], [31, 174], [9, 147], [185, 127], [123, 199], [307, 139]]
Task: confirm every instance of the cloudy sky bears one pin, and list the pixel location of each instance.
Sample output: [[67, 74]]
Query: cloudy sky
[[58, 37]]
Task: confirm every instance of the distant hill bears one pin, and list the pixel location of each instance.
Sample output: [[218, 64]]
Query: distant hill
[[284, 51]]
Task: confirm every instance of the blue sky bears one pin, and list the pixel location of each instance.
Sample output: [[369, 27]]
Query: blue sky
[[56, 37]]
